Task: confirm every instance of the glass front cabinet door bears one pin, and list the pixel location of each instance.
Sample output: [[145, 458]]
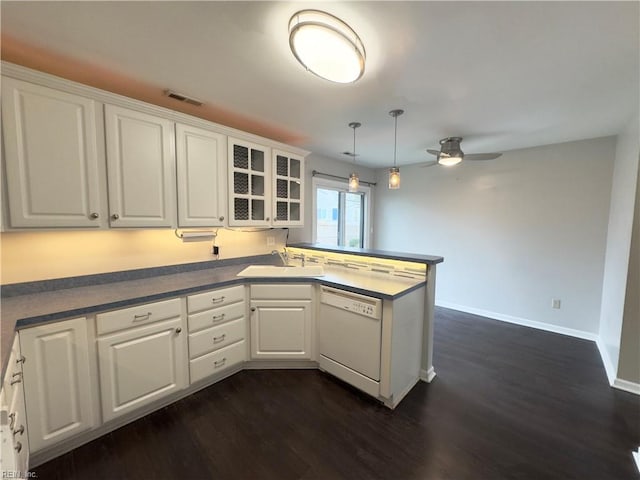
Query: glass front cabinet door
[[288, 188]]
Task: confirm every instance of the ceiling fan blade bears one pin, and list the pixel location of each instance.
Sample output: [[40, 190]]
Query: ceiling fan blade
[[429, 164], [433, 152], [481, 156]]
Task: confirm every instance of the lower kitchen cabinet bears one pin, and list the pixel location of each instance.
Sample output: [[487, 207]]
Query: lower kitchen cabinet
[[57, 381], [141, 365], [281, 322]]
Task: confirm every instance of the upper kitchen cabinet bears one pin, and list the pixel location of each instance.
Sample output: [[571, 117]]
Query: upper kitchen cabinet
[[288, 188], [141, 168], [54, 162], [201, 168], [249, 183]]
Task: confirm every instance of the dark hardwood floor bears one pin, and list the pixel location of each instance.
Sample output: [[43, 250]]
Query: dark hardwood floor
[[509, 402]]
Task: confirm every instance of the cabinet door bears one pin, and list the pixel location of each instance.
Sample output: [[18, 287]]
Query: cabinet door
[[57, 383], [141, 365], [249, 184], [288, 188], [52, 157], [280, 329], [201, 177], [140, 169]]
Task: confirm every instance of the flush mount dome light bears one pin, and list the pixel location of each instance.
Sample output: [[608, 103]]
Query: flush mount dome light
[[326, 46]]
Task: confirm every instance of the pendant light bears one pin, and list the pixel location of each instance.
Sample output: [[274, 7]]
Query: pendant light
[[394, 172], [354, 180]]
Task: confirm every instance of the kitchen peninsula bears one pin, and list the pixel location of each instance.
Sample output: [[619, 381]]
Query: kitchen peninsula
[[105, 324]]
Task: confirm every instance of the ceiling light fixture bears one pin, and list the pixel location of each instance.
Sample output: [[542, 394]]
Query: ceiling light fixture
[[394, 172], [326, 46], [449, 160], [354, 179]]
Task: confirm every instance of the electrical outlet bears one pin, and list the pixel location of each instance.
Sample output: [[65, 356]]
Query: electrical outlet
[[215, 250], [271, 241], [555, 303]]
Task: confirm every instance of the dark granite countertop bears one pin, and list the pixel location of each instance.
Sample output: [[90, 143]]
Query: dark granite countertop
[[29, 309], [370, 252]]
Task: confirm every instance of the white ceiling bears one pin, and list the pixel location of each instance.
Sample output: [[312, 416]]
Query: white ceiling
[[504, 75]]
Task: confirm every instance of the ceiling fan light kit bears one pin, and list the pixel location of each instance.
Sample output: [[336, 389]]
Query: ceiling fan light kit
[[326, 46], [394, 172]]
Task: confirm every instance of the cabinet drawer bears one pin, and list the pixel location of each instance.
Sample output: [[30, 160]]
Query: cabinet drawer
[[215, 298], [217, 361], [216, 316], [281, 292], [215, 338], [135, 316]]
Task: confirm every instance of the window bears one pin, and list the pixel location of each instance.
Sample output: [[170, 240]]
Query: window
[[341, 217]]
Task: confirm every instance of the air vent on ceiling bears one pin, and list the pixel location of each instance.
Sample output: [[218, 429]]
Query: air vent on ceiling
[[182, 98]]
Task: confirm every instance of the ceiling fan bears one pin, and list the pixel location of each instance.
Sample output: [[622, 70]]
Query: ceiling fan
[[450, 153]]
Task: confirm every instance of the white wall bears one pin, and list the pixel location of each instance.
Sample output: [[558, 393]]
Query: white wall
[[515, 232], [324, 165], [620, 227]]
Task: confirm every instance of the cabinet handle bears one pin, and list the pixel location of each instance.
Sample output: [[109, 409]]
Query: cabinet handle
[[115, 216], [178, 330], [218, 318], [220, 338], [217, 300], [253, 309], [16, 378], [266, 219], [12, 417], [20, 430], [139, 318], [221, 219], [219, 363], [94, 216], [22, 359], [18, 447], [275, 219]]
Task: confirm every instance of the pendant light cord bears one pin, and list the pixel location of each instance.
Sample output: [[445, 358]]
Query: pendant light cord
[[354, 145], [395, 142]]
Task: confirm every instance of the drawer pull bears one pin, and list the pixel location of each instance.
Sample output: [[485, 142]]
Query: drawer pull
[[218, 318], [139, 318], [178, 330], [22, 359], [12, 417], [20, 430], [16, 378], [220, 338], [218, 299], [219, 363], [18, 447]]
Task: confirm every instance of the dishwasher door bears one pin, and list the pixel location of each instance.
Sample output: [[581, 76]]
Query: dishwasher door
[[350, 331]]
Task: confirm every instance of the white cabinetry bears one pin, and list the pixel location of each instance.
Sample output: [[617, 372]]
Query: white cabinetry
[[281, 322], [57, 381], [217, 331], [14, 439], [288, 188], [54, 162], [201, 163], [141, 168], [142, 364], [249, 183]]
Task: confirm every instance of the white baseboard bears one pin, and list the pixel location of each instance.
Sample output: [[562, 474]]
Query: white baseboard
[[521, 321], [627, 386], [427, 375], [636, 457]]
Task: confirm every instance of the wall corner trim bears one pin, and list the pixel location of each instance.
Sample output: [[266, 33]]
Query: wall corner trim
[[608, 365]]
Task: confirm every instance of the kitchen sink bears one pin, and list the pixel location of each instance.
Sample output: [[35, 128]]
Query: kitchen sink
[[288, 271]]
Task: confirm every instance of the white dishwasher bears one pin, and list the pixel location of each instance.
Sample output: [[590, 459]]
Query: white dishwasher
[[350, 331]]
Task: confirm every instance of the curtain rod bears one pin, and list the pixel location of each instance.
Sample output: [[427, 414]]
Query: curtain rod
[[315, 173]]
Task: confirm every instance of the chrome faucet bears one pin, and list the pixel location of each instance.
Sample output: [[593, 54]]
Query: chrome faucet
[[284, 255], [300, 257]]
